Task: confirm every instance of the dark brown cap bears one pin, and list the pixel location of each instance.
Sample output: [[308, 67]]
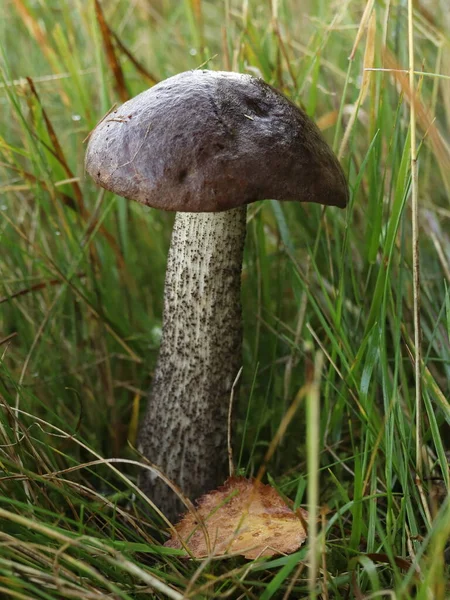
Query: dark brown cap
[[205, 141]]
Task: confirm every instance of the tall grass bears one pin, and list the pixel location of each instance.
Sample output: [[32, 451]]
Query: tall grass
[[81, 281]]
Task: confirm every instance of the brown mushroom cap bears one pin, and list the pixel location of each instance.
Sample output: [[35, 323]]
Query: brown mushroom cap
[[205, 141]]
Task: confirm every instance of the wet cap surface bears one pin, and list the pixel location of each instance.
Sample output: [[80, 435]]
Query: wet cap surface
[[205, 141]]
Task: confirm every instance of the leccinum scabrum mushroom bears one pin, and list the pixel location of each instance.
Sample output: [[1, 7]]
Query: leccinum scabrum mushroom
[[205, 144]]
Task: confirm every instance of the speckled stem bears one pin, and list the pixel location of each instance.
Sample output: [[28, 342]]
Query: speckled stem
[[185, 427]]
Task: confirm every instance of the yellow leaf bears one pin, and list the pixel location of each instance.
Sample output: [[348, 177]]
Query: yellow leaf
[[244, 516]]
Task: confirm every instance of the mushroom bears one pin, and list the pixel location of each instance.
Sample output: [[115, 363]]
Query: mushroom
[[205, 144]]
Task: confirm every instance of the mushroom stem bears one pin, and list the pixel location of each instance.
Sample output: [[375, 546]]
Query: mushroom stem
[[185, 428]]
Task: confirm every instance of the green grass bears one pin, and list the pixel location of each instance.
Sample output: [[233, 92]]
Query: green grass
[[81, 283]]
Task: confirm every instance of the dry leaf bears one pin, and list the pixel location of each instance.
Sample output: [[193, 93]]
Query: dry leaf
[[244, 517]]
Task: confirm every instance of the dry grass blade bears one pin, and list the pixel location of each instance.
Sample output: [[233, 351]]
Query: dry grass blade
[[287, 418], [442, 401], [36, 287], [362, 26], [402, 563], [196, 6], [69, 201], [288, 60], [197, 9], [369, 58], [9, 337], [134, 61], [416, 268], [113, 62], [134, 357], [93, 547], [229, 431], [44, 79], [32, 179], [58, 151], [422, 117], [35, 29]]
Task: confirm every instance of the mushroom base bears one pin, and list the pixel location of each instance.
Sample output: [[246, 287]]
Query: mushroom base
[[184, 432]]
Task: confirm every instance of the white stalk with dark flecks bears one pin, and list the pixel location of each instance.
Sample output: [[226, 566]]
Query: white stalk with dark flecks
[[185, 428]]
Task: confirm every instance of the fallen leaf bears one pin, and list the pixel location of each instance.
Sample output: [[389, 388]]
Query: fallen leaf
[[244, 516]]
